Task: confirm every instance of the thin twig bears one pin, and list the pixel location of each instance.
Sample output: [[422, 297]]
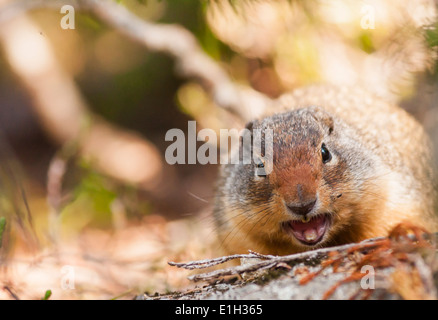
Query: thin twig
[[206, 263], [9, 290]]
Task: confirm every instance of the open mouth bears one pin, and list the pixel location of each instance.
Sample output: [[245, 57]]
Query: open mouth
[[308, 232]]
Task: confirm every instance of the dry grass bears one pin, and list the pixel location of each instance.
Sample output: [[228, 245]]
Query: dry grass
[[109, 264]]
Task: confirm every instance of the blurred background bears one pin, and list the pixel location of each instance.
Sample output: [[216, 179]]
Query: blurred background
[[84, 112]]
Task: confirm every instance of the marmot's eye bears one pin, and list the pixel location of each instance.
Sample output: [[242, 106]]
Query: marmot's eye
[[260, 165], [325, 154], [260, 169]]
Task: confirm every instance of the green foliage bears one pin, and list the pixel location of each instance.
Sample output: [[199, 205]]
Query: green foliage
[[431, 36], [2, 229], [210, 44], [366, 42], [145, 2], [89, 22], [47, 295], [91, 203], [94, 191]]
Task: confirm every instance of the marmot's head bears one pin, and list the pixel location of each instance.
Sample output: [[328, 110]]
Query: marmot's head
[[296, 189]]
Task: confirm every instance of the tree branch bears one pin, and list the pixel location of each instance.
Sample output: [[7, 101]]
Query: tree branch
[[174, 40], [65, 114]]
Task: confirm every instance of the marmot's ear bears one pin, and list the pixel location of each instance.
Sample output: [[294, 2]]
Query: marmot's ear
[[248, 130], [246, 133], [323, 117], [246, 139]]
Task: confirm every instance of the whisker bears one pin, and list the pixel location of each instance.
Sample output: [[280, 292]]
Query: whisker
[[196, 197]]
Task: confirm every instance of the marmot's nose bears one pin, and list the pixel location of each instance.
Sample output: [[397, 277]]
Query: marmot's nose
[[302, 208]]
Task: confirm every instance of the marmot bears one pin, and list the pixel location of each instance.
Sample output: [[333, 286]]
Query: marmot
[[346, 166]]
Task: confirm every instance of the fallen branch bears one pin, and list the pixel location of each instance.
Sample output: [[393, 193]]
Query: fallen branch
[[206, 263], [398, 240], [310, 257]]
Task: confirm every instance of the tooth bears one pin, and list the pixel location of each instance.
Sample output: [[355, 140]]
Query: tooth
[[310, 235], [305, 219]]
